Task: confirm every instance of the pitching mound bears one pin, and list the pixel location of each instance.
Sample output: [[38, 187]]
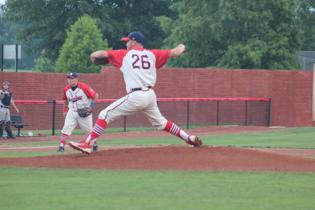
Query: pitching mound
[[172, 158]]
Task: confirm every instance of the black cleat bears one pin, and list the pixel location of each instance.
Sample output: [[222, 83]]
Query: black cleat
[[61, 149], [95, 148]]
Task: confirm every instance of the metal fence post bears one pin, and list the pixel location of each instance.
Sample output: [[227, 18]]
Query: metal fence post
[[268, 113], [188, 114], [246, 107], [16, 57], [2, 56], [53, 117], [218, 113]]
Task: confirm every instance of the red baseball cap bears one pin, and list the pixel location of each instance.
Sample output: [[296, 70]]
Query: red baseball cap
[[136, 36]]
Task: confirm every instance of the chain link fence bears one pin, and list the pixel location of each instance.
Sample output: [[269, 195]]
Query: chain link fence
[[306, 60]]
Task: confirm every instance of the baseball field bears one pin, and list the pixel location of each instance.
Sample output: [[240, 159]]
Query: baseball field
[[238, 168]]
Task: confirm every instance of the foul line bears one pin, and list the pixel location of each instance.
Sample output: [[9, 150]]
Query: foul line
[[24, 148], [3, 148]]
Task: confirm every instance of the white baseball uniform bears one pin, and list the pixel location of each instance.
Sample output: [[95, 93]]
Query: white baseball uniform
[[78, 98], [138, 66]]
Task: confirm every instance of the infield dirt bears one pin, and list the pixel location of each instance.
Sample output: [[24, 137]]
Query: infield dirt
[[175, 157]]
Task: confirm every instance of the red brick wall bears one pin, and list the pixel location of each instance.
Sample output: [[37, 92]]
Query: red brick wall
[[291, 91]]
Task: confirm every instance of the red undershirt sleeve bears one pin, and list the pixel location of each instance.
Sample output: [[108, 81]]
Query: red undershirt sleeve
[[162, 57], [115, 57], [89, 92]]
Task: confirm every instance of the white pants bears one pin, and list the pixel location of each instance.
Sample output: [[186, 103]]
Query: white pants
[[73, 119], [137, 101]]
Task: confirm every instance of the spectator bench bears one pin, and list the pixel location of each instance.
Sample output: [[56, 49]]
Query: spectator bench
[[17, 122]]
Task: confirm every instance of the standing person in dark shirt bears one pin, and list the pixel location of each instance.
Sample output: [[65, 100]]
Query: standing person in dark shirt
[[6, 100]]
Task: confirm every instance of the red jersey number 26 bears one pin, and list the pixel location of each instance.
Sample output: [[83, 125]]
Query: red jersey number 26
[[139, 62]]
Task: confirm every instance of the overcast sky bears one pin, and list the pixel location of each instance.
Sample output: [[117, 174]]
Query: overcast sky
[[2, 1]]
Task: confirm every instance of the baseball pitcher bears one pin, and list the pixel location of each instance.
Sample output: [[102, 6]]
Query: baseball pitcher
[[139, 66]]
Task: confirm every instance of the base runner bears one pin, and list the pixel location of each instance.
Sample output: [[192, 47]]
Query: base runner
[[138, 66]]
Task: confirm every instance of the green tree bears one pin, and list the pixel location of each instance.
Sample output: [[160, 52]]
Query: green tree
[[83, 38], [307, 14], [44, 64], [124, 16], [197, 27], [8, 31], [237, 33], [264, 34], [47, 21]]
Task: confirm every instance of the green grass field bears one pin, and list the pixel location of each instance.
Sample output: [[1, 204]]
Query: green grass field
[[26, 189]]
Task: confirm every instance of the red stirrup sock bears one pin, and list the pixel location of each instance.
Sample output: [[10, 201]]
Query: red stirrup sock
[[176, 130], [98, 129], [63, 138]]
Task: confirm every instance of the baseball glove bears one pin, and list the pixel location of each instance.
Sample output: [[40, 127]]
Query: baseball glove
[[84, 112], [100, 61]]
